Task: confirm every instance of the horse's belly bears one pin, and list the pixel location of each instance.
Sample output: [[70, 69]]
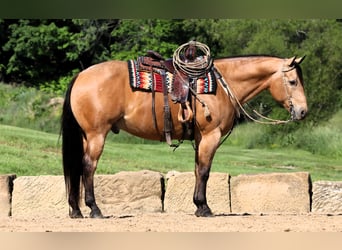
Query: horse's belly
[[142, 124]]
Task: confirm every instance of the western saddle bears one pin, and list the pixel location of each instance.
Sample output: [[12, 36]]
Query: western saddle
[[182, 86]]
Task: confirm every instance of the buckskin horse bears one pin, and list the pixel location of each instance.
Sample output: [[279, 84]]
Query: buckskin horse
[[100, 99]]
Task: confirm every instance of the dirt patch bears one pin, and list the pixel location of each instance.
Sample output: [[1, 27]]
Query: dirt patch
[[165, 222]]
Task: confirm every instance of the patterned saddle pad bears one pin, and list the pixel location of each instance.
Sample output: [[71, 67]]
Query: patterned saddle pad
[[142, 80]]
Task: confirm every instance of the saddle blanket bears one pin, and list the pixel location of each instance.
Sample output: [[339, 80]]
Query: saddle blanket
[[142, 80]]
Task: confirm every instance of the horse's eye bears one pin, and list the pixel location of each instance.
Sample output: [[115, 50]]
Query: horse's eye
[[293, 82]]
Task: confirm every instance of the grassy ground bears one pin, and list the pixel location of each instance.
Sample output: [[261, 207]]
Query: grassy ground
[[31, 152]]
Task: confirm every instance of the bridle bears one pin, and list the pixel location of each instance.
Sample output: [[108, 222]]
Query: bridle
[[289, 96]]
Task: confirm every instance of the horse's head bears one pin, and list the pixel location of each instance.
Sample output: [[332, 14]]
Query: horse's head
[[288, 89]]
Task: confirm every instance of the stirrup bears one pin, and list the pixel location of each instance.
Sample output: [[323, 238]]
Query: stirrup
[[180, 113]]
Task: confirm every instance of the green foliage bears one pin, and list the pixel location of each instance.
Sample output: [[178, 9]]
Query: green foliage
[[37, 50], [322, 140], [134, 37], [323, 69], [29, 108], [91, 41], [59, 86]]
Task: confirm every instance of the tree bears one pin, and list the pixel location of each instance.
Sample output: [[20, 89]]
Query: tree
[[39, 51], [323, 68], [132, 38], [36, 50]]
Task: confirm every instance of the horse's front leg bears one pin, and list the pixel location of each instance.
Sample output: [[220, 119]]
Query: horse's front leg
[[200, 194], [204, 155], [93, 152]]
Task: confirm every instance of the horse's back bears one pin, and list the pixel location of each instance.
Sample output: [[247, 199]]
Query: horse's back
[[103, 72]]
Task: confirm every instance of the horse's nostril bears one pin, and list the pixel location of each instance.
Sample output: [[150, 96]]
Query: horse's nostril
[[303, 113]]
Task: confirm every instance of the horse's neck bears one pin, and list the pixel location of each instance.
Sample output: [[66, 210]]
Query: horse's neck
[[247, 77]]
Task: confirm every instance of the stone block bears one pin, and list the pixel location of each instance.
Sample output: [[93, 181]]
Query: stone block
[[130, 192], [327, 197], [274, 193], [39, 196], [180, 190]]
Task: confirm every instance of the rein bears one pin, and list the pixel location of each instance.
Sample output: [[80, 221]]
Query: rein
[[269, 121]]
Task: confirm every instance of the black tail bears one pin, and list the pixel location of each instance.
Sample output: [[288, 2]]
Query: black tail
[[72, 149]]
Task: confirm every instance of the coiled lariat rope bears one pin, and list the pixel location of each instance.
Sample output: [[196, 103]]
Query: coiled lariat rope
[[195, 67], [198, 66]]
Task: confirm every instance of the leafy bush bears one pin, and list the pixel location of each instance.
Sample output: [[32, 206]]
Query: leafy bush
[[58, 87], [29, 108], [325, 139], [322, 141]]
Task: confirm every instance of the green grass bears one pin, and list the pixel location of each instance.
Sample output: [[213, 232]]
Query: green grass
[[28, 152], [325, 139], [31, 152]]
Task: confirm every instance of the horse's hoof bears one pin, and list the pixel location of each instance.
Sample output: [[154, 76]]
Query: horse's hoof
[[204, 212], [96, 214], [76, 214]]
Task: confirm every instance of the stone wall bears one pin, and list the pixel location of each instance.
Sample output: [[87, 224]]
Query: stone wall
[[128, 193], [120, 194]]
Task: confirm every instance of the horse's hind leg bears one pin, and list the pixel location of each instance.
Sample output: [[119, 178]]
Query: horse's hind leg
[[93, 150]]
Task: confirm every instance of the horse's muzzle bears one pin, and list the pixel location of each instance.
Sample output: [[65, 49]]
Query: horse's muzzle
[[298, 113]]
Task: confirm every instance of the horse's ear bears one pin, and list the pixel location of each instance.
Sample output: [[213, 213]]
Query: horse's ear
[[299, 60], [291, 61], [295, 61]]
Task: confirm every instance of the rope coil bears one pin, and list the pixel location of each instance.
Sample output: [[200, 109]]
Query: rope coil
[[196, 67]]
